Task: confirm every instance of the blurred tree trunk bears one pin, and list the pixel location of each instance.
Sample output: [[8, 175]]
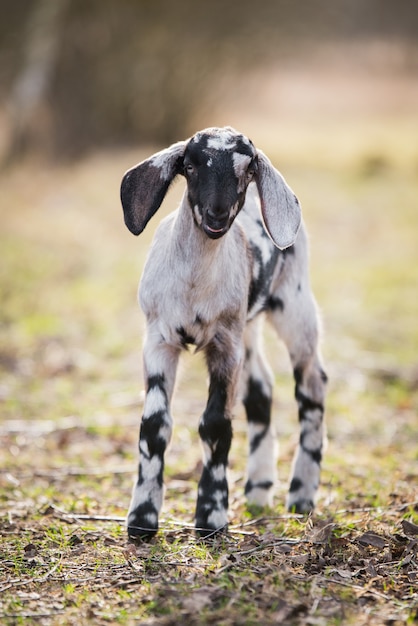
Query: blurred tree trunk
[[30, 89]]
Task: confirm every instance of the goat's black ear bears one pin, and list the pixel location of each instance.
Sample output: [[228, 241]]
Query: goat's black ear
[[144, 186], [279, 206]]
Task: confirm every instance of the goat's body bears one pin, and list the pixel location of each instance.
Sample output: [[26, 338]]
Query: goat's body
[[187, 304], [210, 293]]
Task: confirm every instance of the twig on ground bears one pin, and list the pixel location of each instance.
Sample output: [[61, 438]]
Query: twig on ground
[[95, 518], [21, 616], [361, 590], [376, 509]]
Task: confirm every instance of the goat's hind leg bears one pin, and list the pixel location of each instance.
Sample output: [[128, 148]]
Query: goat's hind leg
[[160, 362], [297, 324], [257, 398], [310, 382]]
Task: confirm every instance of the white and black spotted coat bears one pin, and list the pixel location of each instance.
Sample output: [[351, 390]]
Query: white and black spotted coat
[[234, 249]]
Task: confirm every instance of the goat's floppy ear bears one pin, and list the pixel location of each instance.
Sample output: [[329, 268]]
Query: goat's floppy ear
[[144, 186], [279, 206]]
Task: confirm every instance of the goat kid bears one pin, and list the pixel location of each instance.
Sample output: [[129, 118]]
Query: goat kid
[[216, 264]]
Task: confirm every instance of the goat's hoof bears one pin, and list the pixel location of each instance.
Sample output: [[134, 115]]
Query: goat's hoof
[[211, 533], [303, 506], [142, 525], [136, 534]]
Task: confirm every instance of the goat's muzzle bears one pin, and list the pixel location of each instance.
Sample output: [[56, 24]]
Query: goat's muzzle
[[216, 223]]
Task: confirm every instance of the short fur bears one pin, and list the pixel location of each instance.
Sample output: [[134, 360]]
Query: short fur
[[234, 249]]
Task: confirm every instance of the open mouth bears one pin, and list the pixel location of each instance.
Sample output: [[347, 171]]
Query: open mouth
[[215, 230], [215, 233]]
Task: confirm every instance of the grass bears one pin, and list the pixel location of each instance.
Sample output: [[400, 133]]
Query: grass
[[70, 337]]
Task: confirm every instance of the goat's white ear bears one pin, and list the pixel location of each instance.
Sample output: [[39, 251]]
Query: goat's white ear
[[144, 186], [279, 206]]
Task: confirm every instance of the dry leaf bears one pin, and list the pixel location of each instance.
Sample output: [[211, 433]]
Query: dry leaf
[[409, 528], [322, 534], [370, 539]]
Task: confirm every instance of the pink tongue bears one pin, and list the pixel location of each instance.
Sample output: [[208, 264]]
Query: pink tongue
[[214, 230]]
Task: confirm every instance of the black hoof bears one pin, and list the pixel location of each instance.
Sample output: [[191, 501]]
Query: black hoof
[[211, 533], [137, 534], [302, 507]]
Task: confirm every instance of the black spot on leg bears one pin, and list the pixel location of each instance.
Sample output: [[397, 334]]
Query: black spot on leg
[[315, 454], [156, 382], [257, 403], [215, 427], [150, 432], [208, 485], [216, 431], [306, 404], [295, 485], [258, 408], [262, 484]]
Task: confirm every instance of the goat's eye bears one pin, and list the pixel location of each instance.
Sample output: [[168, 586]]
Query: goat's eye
[[189, 168], [250, 174]]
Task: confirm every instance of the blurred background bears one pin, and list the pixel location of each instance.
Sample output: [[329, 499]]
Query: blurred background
[[329, 90], [77, 76]]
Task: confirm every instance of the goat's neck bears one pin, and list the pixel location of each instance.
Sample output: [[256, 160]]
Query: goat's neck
[[190, 240]]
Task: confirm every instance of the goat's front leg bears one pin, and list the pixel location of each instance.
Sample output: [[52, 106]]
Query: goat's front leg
[[215, 430], [160, 363]]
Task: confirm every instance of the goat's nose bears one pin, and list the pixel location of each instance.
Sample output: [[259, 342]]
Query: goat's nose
[[218, 213]]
